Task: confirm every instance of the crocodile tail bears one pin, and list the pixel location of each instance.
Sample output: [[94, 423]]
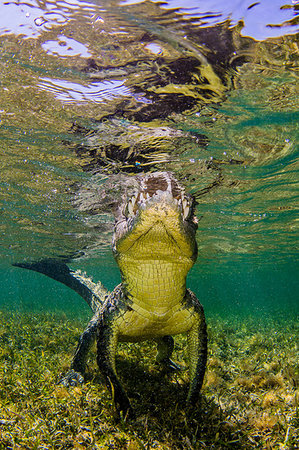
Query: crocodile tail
[[94, 294]]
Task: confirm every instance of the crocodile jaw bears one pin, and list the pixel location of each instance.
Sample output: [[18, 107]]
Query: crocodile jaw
[[158, 232]]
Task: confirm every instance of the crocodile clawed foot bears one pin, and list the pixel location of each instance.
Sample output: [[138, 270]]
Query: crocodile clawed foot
[[126, 414], [124, 409], [168, 365], [72, 378]]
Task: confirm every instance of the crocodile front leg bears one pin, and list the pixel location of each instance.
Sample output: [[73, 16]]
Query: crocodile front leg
[[75, 375], [107, 339], [197, 347]]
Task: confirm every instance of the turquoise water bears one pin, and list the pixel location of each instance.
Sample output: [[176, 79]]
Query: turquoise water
[[240, 290], [233, 140]]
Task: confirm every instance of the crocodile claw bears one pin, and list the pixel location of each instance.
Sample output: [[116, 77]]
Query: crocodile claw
[[72, 378], [125, 412], [169, 365]]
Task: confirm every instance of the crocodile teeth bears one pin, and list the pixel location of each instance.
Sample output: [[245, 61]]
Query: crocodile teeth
[[186, 208], [131, 204], [141, 197], [130, 208], [133, 200]]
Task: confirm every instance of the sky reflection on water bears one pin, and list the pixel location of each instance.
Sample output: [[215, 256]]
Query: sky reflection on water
[[268, 18]]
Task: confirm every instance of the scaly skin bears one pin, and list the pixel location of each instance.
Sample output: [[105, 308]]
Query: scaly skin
[[154, 259], [154, 246]]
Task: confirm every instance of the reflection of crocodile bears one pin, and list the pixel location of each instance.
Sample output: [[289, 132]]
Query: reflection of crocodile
[[154, 246], [146, 129]]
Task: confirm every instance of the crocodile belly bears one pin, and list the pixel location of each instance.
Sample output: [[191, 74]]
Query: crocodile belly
[[138, 325]]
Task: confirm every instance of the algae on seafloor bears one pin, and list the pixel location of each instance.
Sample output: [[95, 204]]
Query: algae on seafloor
[[249, 399]]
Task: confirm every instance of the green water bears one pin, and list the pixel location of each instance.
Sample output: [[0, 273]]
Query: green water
[[234, 143], [241, 289]]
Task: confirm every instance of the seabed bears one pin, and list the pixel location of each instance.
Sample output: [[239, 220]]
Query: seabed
[[249, 398]]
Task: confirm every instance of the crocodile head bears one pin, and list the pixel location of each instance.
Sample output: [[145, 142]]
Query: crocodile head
[[156, 222]]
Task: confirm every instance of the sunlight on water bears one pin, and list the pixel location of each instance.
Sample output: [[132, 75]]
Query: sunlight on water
[[260, 20], [31, 19], [66, 91], [65, 47]]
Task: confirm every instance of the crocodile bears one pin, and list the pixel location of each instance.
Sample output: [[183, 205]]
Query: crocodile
[[154, 246]]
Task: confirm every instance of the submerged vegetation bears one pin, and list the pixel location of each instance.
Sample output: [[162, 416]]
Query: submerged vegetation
[[249, 399]]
